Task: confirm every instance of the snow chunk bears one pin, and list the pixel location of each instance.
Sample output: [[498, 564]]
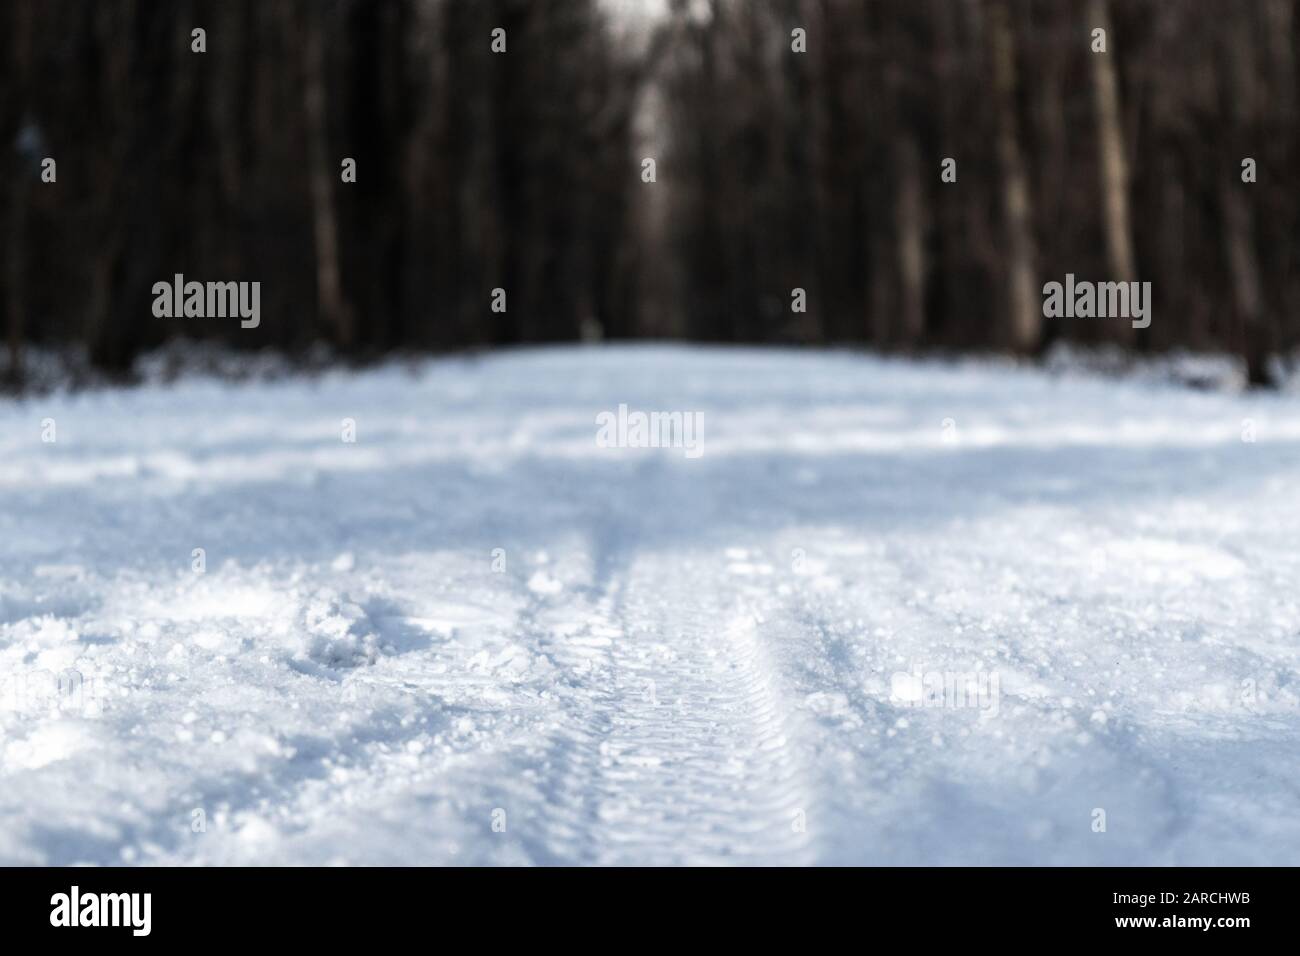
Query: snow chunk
[[336, 631], [47, 744]]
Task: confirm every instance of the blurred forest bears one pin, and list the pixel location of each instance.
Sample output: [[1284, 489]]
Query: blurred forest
[[523, 170]]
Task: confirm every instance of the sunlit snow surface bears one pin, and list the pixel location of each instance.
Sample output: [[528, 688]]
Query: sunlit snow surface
[[673, 660]]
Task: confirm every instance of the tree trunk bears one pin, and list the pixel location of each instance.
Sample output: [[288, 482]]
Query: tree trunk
[[334, 310], [15, 273], [16, 240], [1113, 169], [1238, 224], [1238, 96], [910, 228], [105, 336], [1025, 320]]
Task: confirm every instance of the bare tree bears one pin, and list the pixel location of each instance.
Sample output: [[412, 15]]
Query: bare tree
[[19, 187], [334, 308], [1239, 94], [1025, 321], [1111, 158], [114, 26], [909, 223]]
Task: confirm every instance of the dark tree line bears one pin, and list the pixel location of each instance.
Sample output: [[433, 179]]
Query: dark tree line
[[1118, 166], [783, 161]]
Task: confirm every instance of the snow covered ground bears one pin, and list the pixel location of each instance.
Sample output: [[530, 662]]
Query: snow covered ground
[[895, 613]]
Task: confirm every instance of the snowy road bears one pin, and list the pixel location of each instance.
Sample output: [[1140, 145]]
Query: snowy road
[[895, 613]]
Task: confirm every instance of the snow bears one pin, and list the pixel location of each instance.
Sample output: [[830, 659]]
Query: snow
[[896, 613]]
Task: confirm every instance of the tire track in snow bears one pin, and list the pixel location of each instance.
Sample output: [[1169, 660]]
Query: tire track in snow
[[678, 750]]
